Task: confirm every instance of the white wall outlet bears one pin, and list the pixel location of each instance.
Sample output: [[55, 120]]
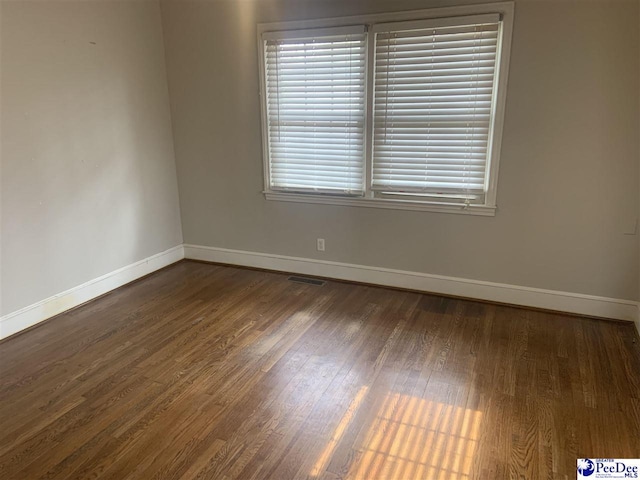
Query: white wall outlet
[[320, 244]]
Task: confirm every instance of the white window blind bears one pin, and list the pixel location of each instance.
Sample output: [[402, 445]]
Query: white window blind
[[433, 96], [315, 87]]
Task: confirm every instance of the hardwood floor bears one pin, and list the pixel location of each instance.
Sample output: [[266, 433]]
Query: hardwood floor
[[204, 371]]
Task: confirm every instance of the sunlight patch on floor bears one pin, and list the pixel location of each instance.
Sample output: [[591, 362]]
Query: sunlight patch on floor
[[410, 437], [337, 435]]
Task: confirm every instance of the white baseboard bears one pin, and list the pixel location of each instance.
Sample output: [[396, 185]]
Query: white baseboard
[[497, 292], [461, 287], [49, 307]]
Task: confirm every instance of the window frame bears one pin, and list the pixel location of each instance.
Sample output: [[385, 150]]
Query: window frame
[[376, 199]]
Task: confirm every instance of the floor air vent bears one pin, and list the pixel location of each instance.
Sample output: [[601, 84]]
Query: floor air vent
[[307, 280]]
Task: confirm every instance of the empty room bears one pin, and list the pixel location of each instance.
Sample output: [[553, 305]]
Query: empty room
[[319, 239]]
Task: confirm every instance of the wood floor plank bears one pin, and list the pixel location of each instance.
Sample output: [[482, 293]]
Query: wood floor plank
[[204, 371]]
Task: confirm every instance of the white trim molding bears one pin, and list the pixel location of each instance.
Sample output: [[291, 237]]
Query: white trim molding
[[33, 314], [575, 303], [375, 202]]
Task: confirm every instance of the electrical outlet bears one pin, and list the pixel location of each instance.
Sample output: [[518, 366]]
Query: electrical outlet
[[320, 244]]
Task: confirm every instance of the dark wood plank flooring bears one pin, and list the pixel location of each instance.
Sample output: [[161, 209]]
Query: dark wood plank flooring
[[204, 371]]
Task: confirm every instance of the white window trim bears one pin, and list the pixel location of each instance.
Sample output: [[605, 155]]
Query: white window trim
[[505, 9]]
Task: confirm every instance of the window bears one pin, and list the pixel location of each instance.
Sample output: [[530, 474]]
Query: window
[[315, 110], [393, 111]]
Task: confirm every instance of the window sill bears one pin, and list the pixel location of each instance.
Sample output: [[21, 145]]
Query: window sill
[[438, 207]]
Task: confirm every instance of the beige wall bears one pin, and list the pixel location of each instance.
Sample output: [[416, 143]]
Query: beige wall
[[88, 172], [568, 187]]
